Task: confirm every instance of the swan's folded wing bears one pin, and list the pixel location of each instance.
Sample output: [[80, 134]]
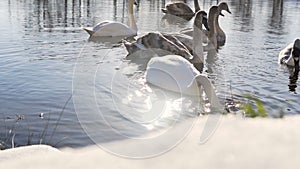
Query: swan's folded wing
[[179, 8], [113, 29], [285, 55]]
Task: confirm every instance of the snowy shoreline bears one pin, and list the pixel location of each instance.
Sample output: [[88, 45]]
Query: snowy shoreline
[[237, 143]]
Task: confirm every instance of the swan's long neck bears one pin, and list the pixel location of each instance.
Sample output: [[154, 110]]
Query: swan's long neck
[[218, 28], [197, 7], [131, 16], [197, 42], [213, 12], [209, 91]]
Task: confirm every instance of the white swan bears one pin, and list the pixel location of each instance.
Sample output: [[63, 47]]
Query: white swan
[[171, 44], [113, 29], [174, 73], [181, 9], [290, 55]]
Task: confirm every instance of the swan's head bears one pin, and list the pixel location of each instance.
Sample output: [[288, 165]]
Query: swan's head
[[213, 12], [296, 53], [135, 2], [201, 18], [223, 6]]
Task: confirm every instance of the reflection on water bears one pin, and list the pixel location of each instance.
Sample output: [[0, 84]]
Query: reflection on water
[[293, 81], [243, 14], [52, 14], [43, 39], [276, 20]]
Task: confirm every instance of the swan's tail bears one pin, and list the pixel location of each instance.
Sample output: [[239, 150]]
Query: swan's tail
[[89, 31]]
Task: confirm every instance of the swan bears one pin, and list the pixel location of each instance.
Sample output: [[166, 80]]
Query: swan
[[290, 55], [219, 33], [171, 44], [181, 9], [221, 36], [113, 29], [174, 73], [211, 34]]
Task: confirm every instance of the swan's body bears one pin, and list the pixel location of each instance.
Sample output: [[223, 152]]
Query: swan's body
[[110, 28], [174, 73], [156, 40], [181, 9], [186, 40], [113, 29], [214, 21], [290, 55], [172, 44]]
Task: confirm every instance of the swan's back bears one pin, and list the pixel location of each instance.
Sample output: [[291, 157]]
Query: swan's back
[[174, 73], [178, 8], [109, 28], [154, 40]]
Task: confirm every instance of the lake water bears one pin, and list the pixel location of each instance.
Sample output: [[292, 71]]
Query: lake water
[[55, 83]]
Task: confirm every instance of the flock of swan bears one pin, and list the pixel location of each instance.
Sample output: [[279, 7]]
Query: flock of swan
[[180, 69]]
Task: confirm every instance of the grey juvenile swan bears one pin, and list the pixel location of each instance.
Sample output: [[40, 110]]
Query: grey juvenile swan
[[181, 9], [290, 55], [171, 44]]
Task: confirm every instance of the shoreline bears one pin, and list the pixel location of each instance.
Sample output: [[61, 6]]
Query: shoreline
[[236, 143]]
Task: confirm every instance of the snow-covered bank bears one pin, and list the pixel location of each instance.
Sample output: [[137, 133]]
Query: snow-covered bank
[[237, 143]]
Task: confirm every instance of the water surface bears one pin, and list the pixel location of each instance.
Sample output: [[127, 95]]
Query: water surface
[[45, 56]]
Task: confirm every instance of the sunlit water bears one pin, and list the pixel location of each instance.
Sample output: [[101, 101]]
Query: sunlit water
[[45, 56]]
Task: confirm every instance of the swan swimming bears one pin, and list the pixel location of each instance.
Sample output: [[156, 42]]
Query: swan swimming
[[172, 45], [174, 73], [212, 16], [114, 29], [181, 9], [221, 36], [290, 55], [213, 20]]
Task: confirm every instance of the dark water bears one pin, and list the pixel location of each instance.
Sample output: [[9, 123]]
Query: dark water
[[45, 56]]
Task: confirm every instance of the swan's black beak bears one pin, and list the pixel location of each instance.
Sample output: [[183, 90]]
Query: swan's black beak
[[135, 3], [228, 11], [205, 23]]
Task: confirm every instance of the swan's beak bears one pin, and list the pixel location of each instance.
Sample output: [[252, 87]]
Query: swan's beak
[[135, 3], [204, 22], [228, 11]]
